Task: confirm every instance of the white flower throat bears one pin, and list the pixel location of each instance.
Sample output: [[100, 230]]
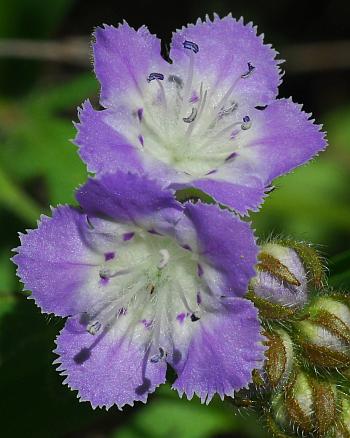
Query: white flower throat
[[148, 289], [188, 126]]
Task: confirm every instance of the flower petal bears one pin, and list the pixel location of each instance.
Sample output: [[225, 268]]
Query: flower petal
[[223, 352], [282, 137], [226, 244], [238, 196], [106, 370], [54, 262], [124, 57], [101, 147], [129, 197], [225, 48], [59, 261]]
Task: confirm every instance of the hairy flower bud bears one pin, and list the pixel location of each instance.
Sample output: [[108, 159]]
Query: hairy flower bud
[[311, 259], [279, 357], [325, 334], [342, 429], [280, 286], [308, 405]]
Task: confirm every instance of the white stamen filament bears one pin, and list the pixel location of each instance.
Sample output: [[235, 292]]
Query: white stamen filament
[[188, 85], [165, 258]]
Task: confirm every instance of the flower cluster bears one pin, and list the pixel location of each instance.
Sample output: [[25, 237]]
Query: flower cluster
[[303, 389], [144, 280]]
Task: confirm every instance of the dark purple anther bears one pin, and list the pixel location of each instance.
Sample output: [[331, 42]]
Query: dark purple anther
[[211, 172], [140, 114], [191, 117], [231, 156], [154, 76], [128, 236], [187, 247], [146, 323], [151, 231], [109, 256], [199, 298], [140, 137], [246, 123], [249, 72], [191, 46]]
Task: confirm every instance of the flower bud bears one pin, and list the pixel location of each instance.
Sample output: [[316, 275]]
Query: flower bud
[[279, 357], [342, 429], [280, 286], [325, 334], [308, 405], [311, 259]]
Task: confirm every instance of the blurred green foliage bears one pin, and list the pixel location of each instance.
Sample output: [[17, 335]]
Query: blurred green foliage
[[40, 167]]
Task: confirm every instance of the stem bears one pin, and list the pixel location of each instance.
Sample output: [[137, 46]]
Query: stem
[[17, 201]]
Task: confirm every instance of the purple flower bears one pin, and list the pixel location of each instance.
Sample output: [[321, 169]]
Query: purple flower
[[144, 282], [209, 120]]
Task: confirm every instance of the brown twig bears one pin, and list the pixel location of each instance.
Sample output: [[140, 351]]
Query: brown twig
[[301, 58], [72, 51]]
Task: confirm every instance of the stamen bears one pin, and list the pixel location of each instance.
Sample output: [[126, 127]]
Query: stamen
[[229, 110], [151, 288], [158, 357], [191, 46], [194, 317], [188, 85], [94, 327], [246, 123], [107, 273], [165, 258], [191, 117], [154, 76], [231, 156], [140, 138], [183, 298], [201, 106], [248, 73], [230, 90]]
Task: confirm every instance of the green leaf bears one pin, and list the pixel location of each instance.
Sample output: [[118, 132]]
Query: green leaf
[[34, 390], [339, 269], [37, 133], [178, 418], [16, 200]]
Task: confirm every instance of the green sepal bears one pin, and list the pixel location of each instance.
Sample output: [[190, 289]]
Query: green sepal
[[269, 310]]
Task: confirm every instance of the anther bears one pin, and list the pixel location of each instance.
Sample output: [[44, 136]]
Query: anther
[[158, 357], [246, 123], [107, 273], [154, 76], [94, 327], [191, 118], [194, 317], [151, 288], [191, 46], [165, 258], [229, 110], [251, 68]]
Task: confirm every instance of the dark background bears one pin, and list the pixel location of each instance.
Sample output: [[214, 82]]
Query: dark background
[[40, 89]]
